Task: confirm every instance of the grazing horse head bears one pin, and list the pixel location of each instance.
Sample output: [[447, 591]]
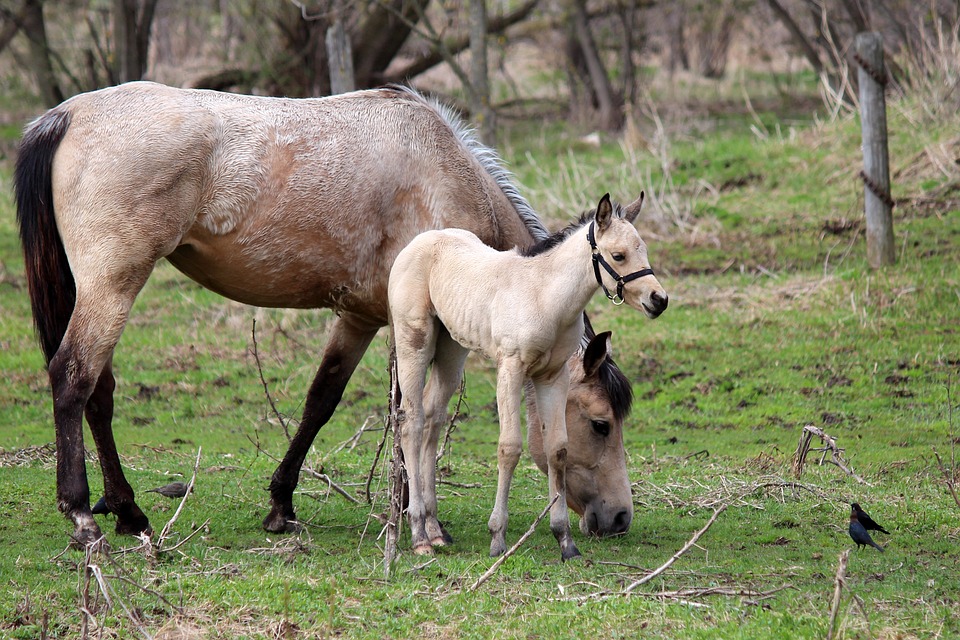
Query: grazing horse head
[[598, 486], [620, 256]]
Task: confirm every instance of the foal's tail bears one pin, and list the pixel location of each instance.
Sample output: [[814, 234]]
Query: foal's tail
[[49, 279]]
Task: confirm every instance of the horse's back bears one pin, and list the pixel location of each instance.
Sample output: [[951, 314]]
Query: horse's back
[[270, 201]]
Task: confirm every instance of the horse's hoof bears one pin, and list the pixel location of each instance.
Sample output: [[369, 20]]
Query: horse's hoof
[[423, 550], [497, 549], [88, 537], [569, 553], [447, 538], [439, 541], [278, 523], [133, 525]]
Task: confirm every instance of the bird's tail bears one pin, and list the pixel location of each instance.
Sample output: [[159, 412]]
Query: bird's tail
[[878, 547]]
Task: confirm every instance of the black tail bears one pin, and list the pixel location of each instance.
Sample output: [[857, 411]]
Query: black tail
[[50, 282]]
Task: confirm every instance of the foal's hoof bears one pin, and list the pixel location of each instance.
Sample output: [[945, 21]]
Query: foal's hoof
[[442, 539]]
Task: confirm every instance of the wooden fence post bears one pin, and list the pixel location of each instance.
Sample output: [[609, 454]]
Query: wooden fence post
[[340, 56], [872, 77]]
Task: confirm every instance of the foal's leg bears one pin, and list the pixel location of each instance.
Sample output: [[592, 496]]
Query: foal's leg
[[444, 379], [349, 339], [118, 494], [509, 386], [415, 341], [551, 403]]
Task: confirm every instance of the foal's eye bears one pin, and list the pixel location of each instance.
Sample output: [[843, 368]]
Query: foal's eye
[[600, 427], [619, 257]]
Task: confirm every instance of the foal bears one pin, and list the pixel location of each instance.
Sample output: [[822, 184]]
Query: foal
[[449, 293]]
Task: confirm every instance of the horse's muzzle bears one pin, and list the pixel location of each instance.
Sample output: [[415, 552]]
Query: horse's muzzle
[[657, 305]]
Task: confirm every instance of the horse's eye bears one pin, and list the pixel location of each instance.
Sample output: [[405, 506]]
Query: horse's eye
[[600, 427], [619, 257]]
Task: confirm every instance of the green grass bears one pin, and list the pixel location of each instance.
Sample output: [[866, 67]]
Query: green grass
[[775, 322]]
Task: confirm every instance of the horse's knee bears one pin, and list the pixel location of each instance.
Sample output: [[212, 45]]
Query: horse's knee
[[558, 458], [509, 452]]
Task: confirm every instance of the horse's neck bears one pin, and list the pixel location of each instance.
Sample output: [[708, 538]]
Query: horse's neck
[[568, 278]]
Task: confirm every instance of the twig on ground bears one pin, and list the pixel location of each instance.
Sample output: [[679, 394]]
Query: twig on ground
[[452, 422], [496, 565], [176, 514], [830, 445], [266, 388], [951, 476], [396, 484], [839, 582], [948, 477], [666, 565], [376, 459], [330, 484]]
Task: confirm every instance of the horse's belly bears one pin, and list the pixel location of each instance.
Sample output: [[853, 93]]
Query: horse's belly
[[283, 283]]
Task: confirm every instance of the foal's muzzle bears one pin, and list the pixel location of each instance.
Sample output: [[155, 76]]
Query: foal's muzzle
[[658, 304]]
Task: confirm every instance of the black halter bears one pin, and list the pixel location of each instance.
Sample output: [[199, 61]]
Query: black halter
[[598, 261]]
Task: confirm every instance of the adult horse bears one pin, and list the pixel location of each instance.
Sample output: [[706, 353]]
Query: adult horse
[[450, 294], [269, 201]]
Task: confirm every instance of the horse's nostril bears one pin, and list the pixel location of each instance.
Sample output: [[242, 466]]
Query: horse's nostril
[[621, 522], [659, 300]]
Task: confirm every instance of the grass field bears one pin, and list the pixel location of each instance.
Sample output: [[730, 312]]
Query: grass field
[[775, 322]]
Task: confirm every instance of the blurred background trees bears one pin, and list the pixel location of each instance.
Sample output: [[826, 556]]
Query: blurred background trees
[[586, 57]]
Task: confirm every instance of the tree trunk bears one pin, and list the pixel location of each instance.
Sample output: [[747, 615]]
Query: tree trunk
[[132, 20], [381, 35], [482, 112], [340, 57], [610, 105], [35, 29], [435, 57], [809, 51]]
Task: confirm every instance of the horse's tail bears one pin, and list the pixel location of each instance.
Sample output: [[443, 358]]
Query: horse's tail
[[49, 279]]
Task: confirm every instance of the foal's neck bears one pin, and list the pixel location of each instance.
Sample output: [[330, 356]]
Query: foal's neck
[[567, 271]]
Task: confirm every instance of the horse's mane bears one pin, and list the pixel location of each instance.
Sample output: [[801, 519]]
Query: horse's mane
[[612, 379], [554, 239], [488, 158], [557, 238]]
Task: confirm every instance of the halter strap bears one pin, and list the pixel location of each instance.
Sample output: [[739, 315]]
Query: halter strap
[[598, 261]]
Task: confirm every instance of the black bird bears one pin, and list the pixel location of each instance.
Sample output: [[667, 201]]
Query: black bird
[[866, 520], [101, 506], [859, 534], [172, 490]]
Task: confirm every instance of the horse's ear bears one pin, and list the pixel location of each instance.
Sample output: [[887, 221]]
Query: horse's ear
[[604, 212], [596, 352], [632, 210]]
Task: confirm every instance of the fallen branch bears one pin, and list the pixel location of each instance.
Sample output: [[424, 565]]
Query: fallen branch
[[496, 565], [948, 477], [176, 514], [839, 581], [451, 423], [692, 541], [394, 423], [830, 446], [266, 388], [330, 484]]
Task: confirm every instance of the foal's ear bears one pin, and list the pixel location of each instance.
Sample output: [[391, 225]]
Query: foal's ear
[[596, 352], [604, 212], [632, 210]]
